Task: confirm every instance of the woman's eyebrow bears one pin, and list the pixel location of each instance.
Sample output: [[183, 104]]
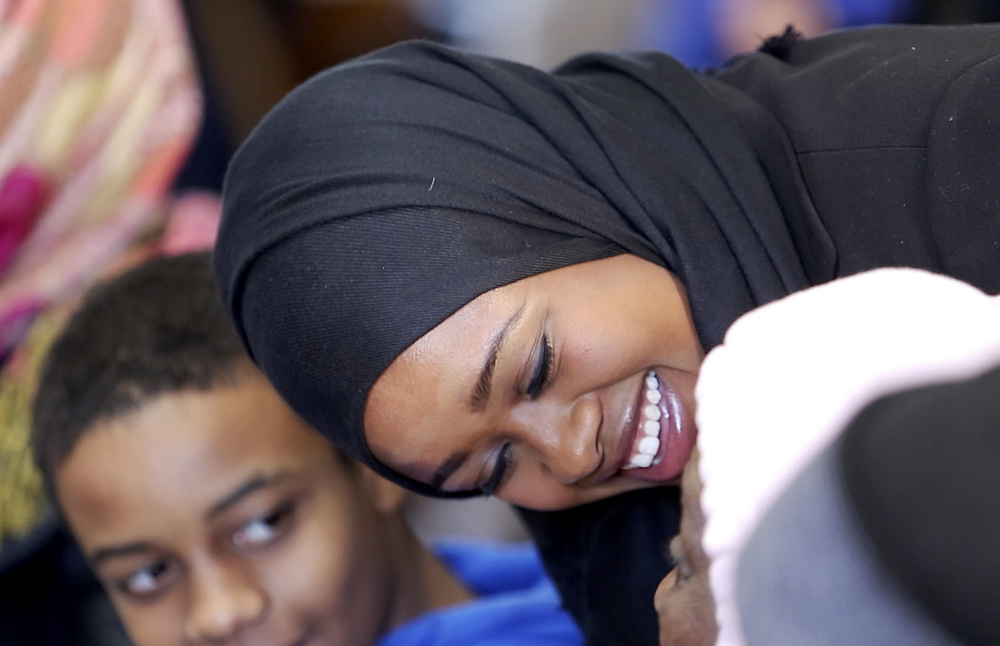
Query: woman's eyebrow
[[484, 385]]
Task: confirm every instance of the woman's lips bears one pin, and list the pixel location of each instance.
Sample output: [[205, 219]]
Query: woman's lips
[[660, 435], [646, 443]]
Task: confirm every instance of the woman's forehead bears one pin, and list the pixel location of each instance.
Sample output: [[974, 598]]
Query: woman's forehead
[[429, 387], [459, 345]]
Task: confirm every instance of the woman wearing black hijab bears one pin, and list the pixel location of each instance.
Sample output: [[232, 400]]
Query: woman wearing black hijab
[[385, 197]]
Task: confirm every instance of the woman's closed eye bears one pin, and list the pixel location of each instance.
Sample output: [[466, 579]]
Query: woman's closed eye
[[263, 530], [501, 469], [543, 369], [541, 374]]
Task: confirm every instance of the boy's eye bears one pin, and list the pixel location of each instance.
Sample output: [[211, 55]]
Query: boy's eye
[[263, 530], [147, 580]]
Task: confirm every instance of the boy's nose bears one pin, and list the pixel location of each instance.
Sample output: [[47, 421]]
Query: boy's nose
[[224, 601]]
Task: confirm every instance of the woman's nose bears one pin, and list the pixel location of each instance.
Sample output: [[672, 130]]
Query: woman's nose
[[225, 599], [565, 436]]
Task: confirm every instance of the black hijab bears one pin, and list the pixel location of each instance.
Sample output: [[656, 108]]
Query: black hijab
[[384, 194]]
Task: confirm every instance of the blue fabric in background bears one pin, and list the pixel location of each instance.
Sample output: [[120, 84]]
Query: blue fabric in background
[[516, 602]]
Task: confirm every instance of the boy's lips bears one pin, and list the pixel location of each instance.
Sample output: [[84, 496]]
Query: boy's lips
[[303, 640], [657, 436]]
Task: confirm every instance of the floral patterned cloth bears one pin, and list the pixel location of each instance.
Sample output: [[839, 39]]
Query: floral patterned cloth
[[99, 106]]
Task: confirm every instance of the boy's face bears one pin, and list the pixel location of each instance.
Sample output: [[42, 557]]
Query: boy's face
[[220, 517], [684, 600]]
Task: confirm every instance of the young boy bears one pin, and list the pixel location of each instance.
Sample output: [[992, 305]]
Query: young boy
[[212, 514]]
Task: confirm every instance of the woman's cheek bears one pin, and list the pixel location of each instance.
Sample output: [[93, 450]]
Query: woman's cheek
[[538, 492]]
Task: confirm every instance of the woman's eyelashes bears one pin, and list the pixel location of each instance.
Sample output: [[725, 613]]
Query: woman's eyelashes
[[541, 374], [543, 369], [499, 473]]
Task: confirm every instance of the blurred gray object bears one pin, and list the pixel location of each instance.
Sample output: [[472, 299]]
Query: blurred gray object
[[476, 518]]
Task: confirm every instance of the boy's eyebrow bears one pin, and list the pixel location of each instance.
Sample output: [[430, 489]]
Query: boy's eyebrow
[[256, 482], [103, 554]]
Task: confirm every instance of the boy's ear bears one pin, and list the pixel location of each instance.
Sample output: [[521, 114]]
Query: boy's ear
[[387, 496]]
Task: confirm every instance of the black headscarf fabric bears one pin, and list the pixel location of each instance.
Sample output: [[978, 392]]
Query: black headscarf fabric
[[384, 194]]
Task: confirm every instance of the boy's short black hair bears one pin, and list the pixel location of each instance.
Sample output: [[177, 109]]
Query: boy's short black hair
[[159, 328]]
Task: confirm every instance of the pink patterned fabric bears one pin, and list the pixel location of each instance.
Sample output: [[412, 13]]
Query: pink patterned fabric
[[98, 108]]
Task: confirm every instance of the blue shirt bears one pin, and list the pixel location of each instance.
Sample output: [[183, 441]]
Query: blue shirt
[[515, 602]]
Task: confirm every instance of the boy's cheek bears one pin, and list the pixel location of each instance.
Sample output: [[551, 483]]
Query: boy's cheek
[[156, 624], [693, 518], [686, 611], [685, 607], [661, 599]]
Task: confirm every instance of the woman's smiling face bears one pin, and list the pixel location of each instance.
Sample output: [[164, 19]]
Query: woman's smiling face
[[548, 392]]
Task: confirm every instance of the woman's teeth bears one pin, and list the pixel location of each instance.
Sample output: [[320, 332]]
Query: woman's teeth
[[648, 445]]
